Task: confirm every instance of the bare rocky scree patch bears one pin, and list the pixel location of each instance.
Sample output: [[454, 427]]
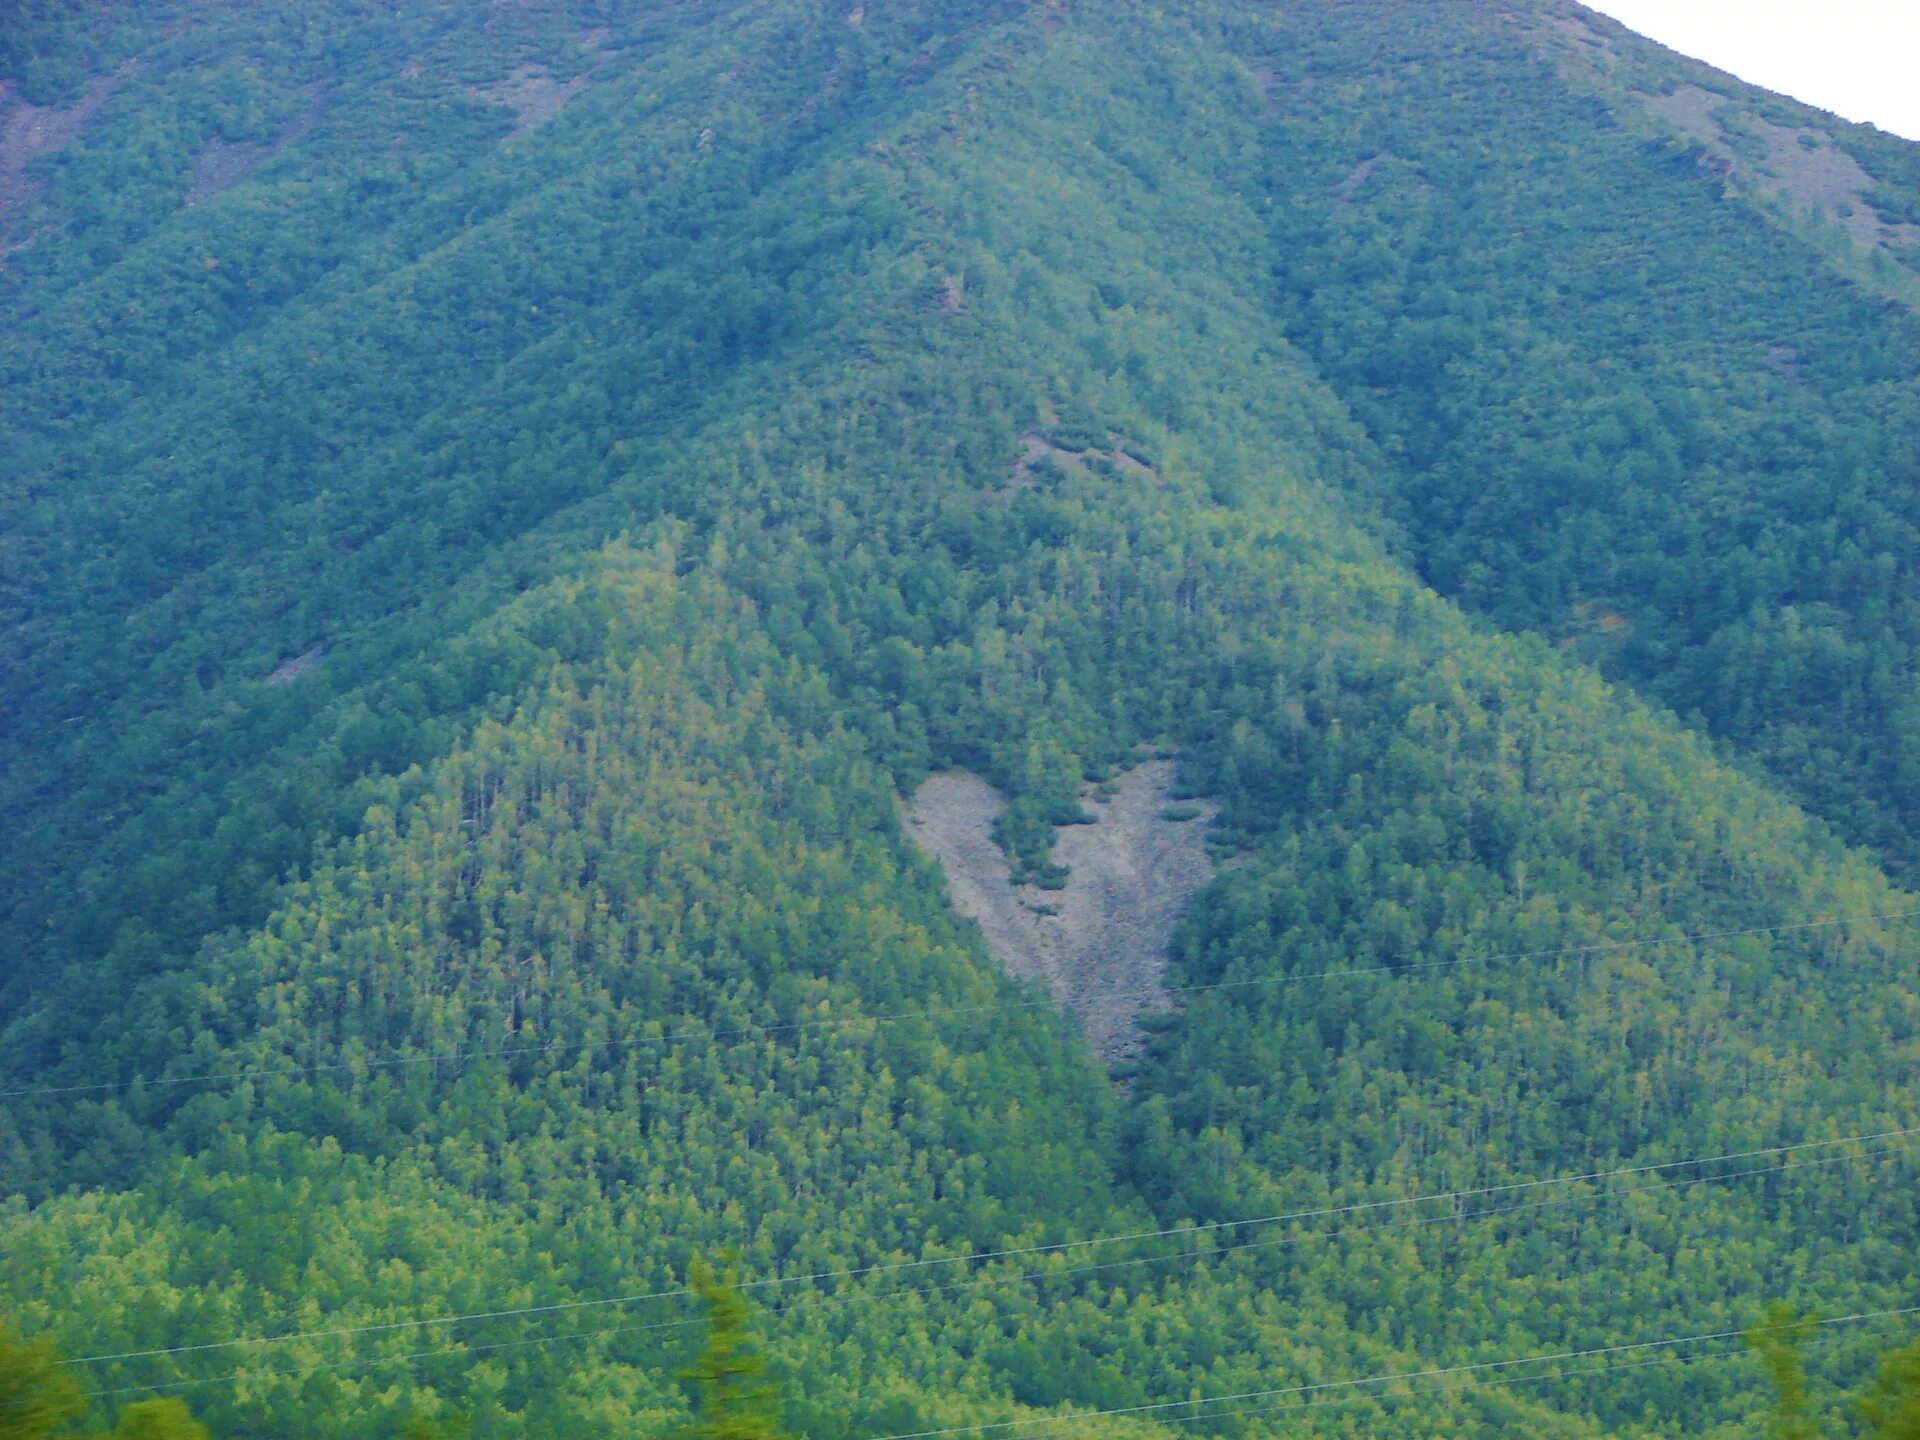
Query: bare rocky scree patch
[[29, 131], [225, 163], [1802, 166], [1037, 447], [1099, 945]]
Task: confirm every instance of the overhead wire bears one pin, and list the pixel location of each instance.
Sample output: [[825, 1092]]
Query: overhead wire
[[1023, 1251], [899, 1017], [1327, 1385], [980, 1258], [839, 1301], [1447, 1388], [1284, 1402], [1465, 1387]]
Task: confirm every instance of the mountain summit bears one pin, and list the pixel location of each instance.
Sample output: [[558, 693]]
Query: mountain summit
[[1204, 716]]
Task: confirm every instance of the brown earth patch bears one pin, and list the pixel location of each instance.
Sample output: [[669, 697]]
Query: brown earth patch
[[533, 94], [223, 164], [1691, 108], [1037, 448], [1591, 618], [292, 668], [1099, 945], [1034, 448], [1344, 192], [1569, 40], [29, 131]]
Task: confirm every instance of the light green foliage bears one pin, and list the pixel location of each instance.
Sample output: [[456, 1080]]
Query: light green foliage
[[649, 477], [1892, 1407], [41, 1398], [1889, 1406], [733, 1399], [166, 1419], [37, 1397], [1779, 1340]]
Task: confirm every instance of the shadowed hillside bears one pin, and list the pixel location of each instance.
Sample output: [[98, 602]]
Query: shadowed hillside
[[523, 521]]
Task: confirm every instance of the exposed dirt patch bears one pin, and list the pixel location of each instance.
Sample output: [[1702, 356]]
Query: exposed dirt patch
[[1817, 175], [1100, 945], [291, 669], [1034, 448], [1691, 108], [1592, 617], [1579, 29], [533, 94], [1801, 166], [1569, 40], [1037, 448], [224, 164], [1344, 192], [29, 131]]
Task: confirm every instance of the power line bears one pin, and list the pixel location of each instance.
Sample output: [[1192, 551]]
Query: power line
[[899, 1017], [841, 1301], [375, 1360], [802, 1304], [1287, 1241], [1448, 1388], [1287, 1402], [1445, 1388], [1285, 1392], [1464, 1218], [983, 1257]]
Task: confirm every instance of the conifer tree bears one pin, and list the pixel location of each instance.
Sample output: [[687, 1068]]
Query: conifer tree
[[1892, 1408], [734, 1400], [1778, 1340], [162, 1419], [37, 1397], [40, 1399]]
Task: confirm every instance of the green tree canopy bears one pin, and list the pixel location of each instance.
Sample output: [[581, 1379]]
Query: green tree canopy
[[733, 1398], [37, 1396], [1892, 1407]]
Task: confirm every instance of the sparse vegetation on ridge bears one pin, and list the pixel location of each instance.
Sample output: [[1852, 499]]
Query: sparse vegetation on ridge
[[476, 602]]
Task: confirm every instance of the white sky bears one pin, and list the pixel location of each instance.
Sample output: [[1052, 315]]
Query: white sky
[[1857, 58]]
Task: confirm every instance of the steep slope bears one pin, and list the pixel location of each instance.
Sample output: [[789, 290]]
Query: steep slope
[[1098, 939], [174, 540], [1625, 410], [636, 960], [599, 907]]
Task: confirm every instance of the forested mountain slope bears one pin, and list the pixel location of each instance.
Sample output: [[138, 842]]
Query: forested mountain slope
[[1677, 442], [478, 589]]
